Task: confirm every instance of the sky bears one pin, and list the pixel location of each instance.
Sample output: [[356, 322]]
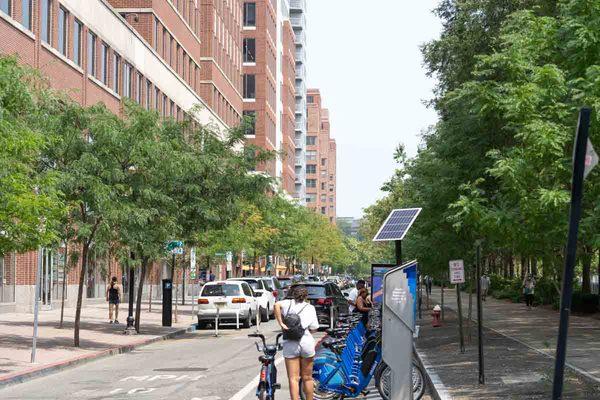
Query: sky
[[364, 57]]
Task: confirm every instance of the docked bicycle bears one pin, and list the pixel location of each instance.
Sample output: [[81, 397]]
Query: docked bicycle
[[267, 384]]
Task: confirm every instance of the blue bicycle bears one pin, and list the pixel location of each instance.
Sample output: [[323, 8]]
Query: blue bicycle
[[267, 385]]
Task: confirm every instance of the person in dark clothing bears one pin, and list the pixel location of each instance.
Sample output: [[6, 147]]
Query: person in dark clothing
[[114, 293], [363, 305]]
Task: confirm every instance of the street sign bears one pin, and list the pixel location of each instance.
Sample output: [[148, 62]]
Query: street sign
[[175, 247], [457, 271], [591, 159]]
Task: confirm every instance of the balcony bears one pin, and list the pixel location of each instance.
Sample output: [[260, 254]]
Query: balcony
[[298, 19], [301, 105], [298, 5], [300, 71], [300, 55], [300, 36], [300, 88], [300, 123]]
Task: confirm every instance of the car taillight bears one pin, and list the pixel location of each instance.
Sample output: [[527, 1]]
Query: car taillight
[[275, 293], [202, 301], [325, 302], [237, 300]]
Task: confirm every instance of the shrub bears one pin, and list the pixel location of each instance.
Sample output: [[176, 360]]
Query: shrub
[[585, 302]]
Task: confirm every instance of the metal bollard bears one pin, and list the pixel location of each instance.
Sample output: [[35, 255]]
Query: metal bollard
[[257, 318], [217, 323], [237, 320]]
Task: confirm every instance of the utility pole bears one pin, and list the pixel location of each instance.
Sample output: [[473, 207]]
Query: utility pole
[[479, 317]]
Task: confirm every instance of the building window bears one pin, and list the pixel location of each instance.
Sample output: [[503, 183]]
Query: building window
[[164, 43], [250, 119], [148, 95], [323, 198], [310, 99], [249, 50], [311, 140], [139, 89], [156, 98], [311, 169], [323, 162], [127, 80], [322, 186], [63, 30], [155, 44], [311, 155], [46, 17], [311, 197], [26, 10], [116, 69], [249, 14], [323, 210], [249, 86], [104, 64], [91, 53], [77, 29], [5, 6], [331, 199], [311, 183], [164, 106]]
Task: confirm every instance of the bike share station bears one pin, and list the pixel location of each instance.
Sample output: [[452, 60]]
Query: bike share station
[[396, 288]]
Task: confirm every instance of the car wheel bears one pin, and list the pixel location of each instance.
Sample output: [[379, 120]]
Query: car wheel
[[264, 314], [247, 322]]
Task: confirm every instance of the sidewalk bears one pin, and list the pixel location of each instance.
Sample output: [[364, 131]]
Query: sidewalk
[[537, 329], [97, 338], [512, 370]]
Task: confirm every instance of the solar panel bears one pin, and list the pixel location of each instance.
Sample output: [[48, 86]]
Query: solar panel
[[397, 224]]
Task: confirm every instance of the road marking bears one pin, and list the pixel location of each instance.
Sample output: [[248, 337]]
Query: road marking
[[207, 398], [150, 378], [251, 385]]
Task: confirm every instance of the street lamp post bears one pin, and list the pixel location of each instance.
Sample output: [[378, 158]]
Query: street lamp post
[[130, 330]]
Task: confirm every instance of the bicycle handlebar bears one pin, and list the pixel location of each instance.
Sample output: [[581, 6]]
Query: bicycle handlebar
[[262, 337]]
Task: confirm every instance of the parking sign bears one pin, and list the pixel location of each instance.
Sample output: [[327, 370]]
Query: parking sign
[[457, 271]]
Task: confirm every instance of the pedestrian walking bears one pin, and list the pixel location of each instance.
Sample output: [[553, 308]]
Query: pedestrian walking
[[529, 290], [485, 286], [298, 319], [353, 295], [114, 294], [428, 283]]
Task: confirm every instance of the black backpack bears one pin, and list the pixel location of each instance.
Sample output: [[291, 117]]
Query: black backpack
[[295, 330]]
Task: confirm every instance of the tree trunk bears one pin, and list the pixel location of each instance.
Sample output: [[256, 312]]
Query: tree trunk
[[84, 259], [64, 286], [534, 269], [150, 294], [586, 262], [511, 266], [140, 290], [523, 267]]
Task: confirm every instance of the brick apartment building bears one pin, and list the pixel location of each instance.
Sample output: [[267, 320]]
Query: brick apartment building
[[321, 175], [230, 57]]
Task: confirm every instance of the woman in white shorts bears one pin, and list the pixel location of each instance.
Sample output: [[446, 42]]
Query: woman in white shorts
[[299, 354]]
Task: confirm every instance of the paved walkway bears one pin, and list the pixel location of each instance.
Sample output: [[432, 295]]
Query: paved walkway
[[537, 329], [55, 346], [512, 370]]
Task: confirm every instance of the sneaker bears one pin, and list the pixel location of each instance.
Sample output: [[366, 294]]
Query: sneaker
[[110, 322], [116, 322]]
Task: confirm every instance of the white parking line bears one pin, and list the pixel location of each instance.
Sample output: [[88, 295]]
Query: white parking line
[[251, 385]]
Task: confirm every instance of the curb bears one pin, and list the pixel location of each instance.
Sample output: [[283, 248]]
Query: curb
[[37, 372], [434, 383]]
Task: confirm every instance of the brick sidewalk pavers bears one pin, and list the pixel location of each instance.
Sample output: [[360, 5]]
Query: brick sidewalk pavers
[[55, 346], [512, 370], [538, 329]]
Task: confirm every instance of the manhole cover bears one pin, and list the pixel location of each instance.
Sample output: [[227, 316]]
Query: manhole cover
[[189, 369]]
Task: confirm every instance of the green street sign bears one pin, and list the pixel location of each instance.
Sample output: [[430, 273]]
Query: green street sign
[[175, 246]]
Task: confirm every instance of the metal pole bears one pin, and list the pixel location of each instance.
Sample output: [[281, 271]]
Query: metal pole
[[480, 318], [398, 252], [579, 155], [460, 318], [183, 289], [130, 319], [36, 305]]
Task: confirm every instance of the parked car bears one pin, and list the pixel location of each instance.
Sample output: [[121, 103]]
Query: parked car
[[325, 296], [274, 286], [239, 299], [266, 300], [286, 282]]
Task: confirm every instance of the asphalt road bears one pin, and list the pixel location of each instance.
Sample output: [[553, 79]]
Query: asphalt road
[[196, 366]]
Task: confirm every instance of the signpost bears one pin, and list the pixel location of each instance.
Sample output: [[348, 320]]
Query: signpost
[[193, 278], [583, 158], [457, 276], [175, 247]]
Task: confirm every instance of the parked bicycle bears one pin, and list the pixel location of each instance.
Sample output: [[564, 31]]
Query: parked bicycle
[[267, 384]]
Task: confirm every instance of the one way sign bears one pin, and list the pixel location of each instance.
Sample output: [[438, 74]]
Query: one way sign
[[591, 159]]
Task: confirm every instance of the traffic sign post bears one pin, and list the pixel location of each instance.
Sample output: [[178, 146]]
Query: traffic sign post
[[457, 276]]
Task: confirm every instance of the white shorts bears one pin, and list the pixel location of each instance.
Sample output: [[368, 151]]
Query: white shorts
[[304, 348]]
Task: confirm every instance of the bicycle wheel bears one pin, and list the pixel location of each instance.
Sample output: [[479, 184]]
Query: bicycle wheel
[[319, 394], [262, 395], [383, 381]]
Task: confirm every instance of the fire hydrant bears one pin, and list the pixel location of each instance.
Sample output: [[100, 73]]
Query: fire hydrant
[[435, 322]]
